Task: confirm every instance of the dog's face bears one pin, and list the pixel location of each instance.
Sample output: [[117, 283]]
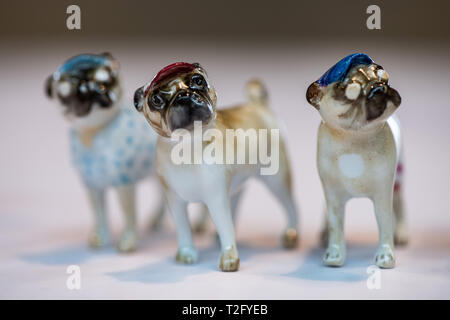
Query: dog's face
[[87, 88], [360, 99], [178, 95]]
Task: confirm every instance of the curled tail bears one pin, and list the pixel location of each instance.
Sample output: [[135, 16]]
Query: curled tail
[[256, 92]]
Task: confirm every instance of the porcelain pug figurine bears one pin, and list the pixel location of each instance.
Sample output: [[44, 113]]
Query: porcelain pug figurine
[[112, 147], [359, 151], [179, 95]]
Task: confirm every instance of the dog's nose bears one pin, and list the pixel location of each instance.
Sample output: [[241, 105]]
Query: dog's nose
[[182, 98], [189, 99], [377, 88], [186, 108], [376, 100], [91, 92], [83, 89]]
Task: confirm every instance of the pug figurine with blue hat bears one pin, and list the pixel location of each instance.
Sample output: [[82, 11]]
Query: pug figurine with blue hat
[[112, 146], [359, 152]]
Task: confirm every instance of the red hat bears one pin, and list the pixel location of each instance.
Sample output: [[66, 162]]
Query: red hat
[[170, 71]]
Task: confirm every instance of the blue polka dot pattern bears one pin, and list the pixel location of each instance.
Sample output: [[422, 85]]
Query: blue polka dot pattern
[[121, 153]]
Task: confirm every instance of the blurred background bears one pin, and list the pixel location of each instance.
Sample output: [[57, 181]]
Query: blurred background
[[44, 217]]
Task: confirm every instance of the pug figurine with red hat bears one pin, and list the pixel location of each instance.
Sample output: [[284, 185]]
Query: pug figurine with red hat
[[359, 152], [179, 99], [112, 147]]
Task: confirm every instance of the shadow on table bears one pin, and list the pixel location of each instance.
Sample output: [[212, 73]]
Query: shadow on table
[[67, 256], [79, 253], [169, 271], [165, 271], [359, 258]]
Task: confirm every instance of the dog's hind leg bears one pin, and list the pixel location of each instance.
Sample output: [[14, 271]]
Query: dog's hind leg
[[127, 198], [99, 236], [401, 231], [280, 186]]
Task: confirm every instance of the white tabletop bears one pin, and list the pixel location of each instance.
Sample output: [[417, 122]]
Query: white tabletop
[[45, 218]]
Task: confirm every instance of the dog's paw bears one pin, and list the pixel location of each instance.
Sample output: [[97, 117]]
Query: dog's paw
[[385, 258], [334, 256], [98, 238], [128, 241], [186, 255], [401, 235], [229, 260], [290, 238]]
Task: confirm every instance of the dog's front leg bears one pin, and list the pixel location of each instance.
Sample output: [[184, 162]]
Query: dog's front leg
[[401, 231], [384, 257], [203, 220], [99, 236], [336, 251], [186, 253], [129, 239], [219, 208]]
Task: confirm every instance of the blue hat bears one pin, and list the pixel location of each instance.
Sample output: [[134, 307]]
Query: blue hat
[[83, 62], [340, 69]]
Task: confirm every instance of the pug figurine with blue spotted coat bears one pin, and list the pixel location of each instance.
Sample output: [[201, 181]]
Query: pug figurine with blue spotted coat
[[359, 152], [112, 146]]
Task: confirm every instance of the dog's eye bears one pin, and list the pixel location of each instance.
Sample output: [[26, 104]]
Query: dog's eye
[[197, 82], [382, 74], [102, 75], [64, 88], [352, 91], [157, 101]]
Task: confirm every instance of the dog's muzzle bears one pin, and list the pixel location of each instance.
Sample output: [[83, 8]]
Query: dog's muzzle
[[81, 102], [378, 97], [186, 108]]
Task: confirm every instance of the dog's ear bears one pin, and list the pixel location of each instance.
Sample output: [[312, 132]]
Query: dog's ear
[[213, 95], [314, 95], [107, 55], [113, 61], [139, 99], [48, 86]]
